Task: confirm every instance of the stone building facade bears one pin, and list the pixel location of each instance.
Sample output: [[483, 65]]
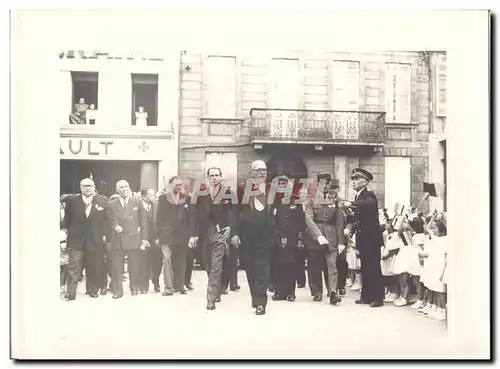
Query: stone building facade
[[305, 113]]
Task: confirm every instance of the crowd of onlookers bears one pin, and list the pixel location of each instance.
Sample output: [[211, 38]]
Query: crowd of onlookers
[[414, 262]]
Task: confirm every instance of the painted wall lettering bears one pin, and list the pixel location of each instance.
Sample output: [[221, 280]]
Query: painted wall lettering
[[76, 146]]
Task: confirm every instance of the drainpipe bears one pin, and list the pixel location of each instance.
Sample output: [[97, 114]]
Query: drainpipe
[[179, 113]]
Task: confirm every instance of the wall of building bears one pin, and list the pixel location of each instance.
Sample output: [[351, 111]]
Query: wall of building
[[113, 124], [319, 86]]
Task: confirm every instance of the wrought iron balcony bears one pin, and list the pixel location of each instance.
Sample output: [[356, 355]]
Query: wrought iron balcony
[[317, 127]]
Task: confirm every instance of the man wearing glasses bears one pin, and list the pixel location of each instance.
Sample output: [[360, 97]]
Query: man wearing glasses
[[86, 217]]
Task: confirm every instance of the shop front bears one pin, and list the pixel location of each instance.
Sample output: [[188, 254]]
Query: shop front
[[140, 160]]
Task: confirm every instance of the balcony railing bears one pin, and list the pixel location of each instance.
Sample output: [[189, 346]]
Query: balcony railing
[[317, 126]]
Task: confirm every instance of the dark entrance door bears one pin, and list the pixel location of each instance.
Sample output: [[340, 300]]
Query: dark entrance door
[[287, 163], [104, 173]]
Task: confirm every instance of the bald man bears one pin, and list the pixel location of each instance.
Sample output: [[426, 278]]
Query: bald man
[[128, 222], [86, 218]]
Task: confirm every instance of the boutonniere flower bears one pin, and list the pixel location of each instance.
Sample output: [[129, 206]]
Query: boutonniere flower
[[99, 208], [136, 209]]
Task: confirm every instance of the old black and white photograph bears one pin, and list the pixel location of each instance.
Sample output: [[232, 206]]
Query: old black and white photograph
[[262, 198]]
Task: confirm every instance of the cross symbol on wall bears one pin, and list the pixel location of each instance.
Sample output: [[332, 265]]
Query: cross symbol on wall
[[143, 146]]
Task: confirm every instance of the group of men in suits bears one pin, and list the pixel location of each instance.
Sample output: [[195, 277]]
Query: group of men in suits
[[218, 224]]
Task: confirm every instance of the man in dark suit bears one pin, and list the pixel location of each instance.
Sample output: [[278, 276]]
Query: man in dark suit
[[129, 224], [175, 222], [290, 222], [256, 227], [216, 219], [86, 217], [154, 254], [368, 238]]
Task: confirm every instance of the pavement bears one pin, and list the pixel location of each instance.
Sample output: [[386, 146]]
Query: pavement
[[153, 326]]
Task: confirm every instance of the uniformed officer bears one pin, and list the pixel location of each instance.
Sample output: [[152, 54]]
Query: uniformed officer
[[290, 222], [368, 238], [325, 225]]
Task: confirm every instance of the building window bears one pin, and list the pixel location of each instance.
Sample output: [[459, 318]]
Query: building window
[[441, 86], [398, 93], [144, 100], [345, 85], [284, 84], [85, 95], [221, 86], [397, 182]]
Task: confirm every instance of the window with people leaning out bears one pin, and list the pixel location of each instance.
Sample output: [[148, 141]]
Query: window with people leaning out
[[144, 100], [84, 103]]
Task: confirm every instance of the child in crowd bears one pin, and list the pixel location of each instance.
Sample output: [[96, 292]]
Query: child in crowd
[[354, 266], [434, 255], [389, 252], [416, 268]]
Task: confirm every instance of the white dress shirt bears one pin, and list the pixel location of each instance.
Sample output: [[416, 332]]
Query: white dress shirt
[[146, 206]]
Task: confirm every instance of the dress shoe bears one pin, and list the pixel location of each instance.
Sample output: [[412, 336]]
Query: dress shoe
[[271, 288], [225, 292], [70, 297], [157, 288], [117, 296], [291, 298], [361, 302], [342, 291], [143, 292], [278, 297], [377, 303], [210, 305], [189, 287], [135, 292], [301, 285], [318, 297], [94, 295], [104, 291], [260, 310], [334, 298], [235, 288], [183, 292], [167, 293], [87, 292], [218, 299]]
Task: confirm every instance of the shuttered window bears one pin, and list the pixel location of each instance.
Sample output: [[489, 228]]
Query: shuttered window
[[283, 83], [398, 93], [221, 85], [397, 182], [441, 86], [345, 92]]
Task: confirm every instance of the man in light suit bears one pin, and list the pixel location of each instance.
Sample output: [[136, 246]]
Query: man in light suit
[[86, 217], [175, 221], [128, 223]]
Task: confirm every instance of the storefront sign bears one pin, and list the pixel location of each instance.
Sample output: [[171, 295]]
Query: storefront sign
[[94, 54], [113, 148], [92, 148]]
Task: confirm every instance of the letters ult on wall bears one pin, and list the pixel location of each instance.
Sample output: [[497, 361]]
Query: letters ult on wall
[[75, 147]]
